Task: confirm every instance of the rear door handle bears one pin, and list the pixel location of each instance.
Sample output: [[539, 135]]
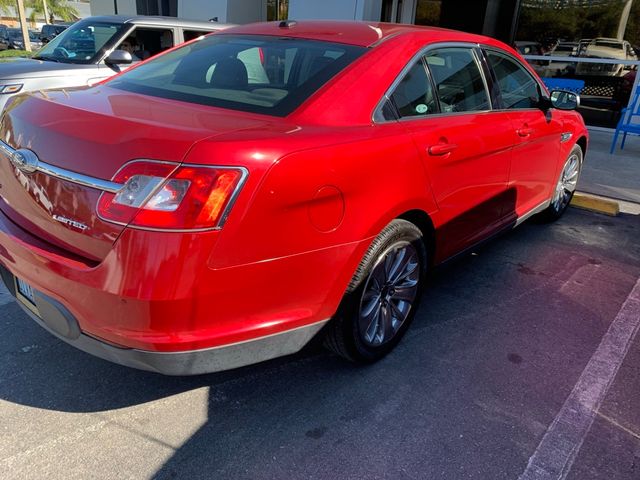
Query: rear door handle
[[442, 148], [524, 131]]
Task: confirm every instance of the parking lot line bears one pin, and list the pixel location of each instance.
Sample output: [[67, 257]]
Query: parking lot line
[[561, 443]]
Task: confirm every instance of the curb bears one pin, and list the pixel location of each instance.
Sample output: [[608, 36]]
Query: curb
[[595, 203]]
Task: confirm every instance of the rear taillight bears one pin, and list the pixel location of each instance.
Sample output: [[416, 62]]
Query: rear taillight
[[167, 196]]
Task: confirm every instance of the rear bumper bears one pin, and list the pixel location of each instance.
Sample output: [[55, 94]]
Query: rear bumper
[[55, 318], [166, 310]]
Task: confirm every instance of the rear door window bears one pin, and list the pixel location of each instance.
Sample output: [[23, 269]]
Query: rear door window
[[460, 86]]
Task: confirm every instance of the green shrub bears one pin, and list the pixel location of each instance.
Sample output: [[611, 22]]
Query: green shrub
[[15, 53]]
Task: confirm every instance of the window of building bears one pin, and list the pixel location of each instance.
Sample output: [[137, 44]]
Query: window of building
[[428, 12], [277, 10], [168, 8]]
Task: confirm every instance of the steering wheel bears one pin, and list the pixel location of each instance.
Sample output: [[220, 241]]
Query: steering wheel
[[62, 52]]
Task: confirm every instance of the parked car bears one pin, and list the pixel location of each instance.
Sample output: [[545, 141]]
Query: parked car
[[565, 49], [4, 37], [533, 48], [16, 41], [529, 48], [558, 68], [610, 49], [87, 52], [185, 217], [51, 31]]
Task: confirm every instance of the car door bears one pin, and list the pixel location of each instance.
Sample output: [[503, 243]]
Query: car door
[[536, 132], [443, 102]]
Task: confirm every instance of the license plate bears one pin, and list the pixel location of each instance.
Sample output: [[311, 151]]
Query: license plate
[[26, 291]]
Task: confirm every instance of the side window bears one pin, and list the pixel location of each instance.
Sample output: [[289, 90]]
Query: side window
[[191, 34], [147, 42], [517, 87], [459, 83], [413, 97]]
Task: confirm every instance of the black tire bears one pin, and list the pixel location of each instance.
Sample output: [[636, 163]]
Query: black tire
[[558, 206], [402, 241]]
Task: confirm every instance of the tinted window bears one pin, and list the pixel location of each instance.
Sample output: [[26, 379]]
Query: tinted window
[[253, 73], [413, 97], [459, 83], [518, 89], [189, 35]]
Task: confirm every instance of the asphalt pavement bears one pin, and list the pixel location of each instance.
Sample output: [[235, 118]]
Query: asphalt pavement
[[523, 356]]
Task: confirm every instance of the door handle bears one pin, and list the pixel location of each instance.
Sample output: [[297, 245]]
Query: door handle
[[442, 148], [524, 131]]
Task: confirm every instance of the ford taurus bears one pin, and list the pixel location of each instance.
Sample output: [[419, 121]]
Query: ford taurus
[[229, 200]]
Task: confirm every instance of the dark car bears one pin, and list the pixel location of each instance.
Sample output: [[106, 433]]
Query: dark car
[[51, 31], [4, 40], [16, 42]]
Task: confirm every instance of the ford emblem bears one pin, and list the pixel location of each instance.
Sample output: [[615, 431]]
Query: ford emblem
[[24, 160]]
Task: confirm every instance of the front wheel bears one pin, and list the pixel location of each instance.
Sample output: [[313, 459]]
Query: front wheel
[[383, 296], [565, 186]]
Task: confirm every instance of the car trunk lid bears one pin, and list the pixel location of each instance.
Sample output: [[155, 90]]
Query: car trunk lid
[[86, 136]]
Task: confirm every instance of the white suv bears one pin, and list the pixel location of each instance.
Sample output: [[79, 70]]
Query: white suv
[[606, 48]]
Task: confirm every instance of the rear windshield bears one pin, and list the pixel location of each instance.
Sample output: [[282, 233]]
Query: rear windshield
[[608, 44], [261, 74]]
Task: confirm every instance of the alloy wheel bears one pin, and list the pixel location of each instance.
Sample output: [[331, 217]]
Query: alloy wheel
[[566, 183], [389, 294]]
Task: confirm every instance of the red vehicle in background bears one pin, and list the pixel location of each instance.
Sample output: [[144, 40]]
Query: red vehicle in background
[[227, 201]]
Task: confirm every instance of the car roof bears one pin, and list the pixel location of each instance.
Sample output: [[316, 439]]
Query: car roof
[[364, 34], [157, 21]]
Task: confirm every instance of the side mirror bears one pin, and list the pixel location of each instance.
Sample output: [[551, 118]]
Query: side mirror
[[564, 100], [119, 57]]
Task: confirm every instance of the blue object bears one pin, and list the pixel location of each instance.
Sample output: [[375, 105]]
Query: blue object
[[570, 84], [626, 123]]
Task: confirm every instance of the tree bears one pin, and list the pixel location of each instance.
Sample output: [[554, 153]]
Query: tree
[[7, 6], [56, 8]]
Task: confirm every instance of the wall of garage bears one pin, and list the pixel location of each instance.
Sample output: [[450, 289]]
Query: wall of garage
[[227, 11], [335, 10], [245, 11], [107, 7]]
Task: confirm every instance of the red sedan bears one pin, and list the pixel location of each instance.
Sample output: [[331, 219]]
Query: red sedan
[[225, 202]]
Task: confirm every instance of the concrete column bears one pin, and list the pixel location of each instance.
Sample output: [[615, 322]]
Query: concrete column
[[624, 18]]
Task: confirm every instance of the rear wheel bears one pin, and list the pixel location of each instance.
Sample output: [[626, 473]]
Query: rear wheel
[[382, 297], [565, 186]]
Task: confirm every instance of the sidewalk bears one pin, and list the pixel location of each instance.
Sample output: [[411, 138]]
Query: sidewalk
[[614, 175]]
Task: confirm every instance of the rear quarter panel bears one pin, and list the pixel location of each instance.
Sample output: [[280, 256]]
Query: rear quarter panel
[[326, 201]]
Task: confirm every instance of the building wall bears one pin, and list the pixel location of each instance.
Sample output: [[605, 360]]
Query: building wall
[[246, 11], [232, 11], [203, 9], [335, 9], [106, 7]]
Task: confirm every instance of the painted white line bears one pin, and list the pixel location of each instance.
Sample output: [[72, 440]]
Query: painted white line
[[561, 443]]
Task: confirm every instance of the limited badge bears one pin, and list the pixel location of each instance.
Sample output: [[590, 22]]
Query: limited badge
[[421, 108]]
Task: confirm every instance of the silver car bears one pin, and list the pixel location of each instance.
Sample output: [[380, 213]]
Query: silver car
[[94, 49]]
